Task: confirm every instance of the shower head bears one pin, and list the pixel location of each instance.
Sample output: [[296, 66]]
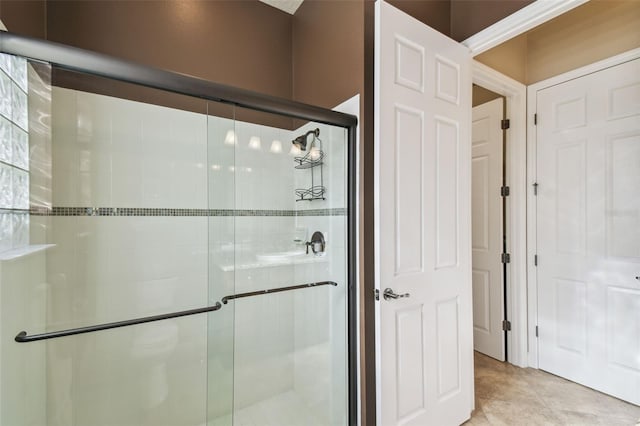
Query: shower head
[[301, 141]]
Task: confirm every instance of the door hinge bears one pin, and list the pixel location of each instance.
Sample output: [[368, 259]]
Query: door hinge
[[376, 294], [535, 188], [505, 258], [504, 124], [535, 119], [506, 325], [536, 331], [535, 260], [504, 191]]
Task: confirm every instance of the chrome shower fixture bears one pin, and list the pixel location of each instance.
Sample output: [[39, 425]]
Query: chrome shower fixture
[[302, 140]]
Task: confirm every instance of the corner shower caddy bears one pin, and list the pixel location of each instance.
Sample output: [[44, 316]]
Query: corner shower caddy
[[314, 160]]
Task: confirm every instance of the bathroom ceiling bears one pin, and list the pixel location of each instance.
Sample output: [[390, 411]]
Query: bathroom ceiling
[[289, 6]]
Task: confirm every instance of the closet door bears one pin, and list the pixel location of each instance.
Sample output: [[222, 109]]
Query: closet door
[[588, 218], [487, 229]]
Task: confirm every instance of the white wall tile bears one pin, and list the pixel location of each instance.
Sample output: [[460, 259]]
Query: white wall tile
[[112, 268], [22, 367]]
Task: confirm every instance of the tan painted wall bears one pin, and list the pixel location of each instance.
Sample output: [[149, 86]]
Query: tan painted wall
[[592, 32], [480, 95], [589, 33], [510, 58]]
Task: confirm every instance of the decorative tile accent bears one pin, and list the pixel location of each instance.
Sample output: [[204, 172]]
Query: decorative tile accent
[[322, 212], [135, 211]]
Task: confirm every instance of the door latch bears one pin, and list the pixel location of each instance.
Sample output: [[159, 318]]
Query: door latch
[[390, 295]]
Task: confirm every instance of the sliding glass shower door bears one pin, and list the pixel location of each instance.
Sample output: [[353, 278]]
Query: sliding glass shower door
[[288, 268], [167, 260]]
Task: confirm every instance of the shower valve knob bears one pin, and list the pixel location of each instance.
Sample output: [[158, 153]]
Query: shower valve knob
[[317, 243]]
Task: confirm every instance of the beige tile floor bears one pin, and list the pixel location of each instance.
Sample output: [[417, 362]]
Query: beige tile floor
[[508, 395]]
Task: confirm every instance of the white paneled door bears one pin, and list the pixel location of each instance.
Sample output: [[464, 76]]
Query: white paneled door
[[423, 220], [487, 230], [588, 238]]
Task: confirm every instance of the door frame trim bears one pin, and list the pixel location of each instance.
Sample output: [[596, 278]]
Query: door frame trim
[[519, 22], [515, 158], [532, 277]]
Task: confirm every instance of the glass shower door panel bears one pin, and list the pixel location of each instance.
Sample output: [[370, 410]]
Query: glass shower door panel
[[320, 316], [128, 193], [221, 141], [119, 198], [290, 346]]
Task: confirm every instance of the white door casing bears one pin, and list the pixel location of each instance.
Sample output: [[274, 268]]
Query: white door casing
[[487, 229], [588, 230], [517, 300], [423, 223]]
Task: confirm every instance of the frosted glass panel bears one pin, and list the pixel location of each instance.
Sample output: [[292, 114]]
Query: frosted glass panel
[[5, 141], [20, 229], [5, 95], [6, 231], [6, 190], [6, 63], [19, 106], [20, 189], [19, 72], [20, 154], [14, 148]]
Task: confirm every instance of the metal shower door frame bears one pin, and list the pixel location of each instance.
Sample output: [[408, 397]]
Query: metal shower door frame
[[80, 60]]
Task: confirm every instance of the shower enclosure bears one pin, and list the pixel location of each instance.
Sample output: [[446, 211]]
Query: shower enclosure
[[172, 251]]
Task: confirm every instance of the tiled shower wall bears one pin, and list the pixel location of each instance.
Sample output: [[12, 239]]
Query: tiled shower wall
[[115, 154]]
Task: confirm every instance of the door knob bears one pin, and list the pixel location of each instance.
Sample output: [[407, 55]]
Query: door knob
[[390, 295]]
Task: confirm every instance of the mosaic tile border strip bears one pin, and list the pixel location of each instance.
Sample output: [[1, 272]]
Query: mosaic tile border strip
[[135, 211]]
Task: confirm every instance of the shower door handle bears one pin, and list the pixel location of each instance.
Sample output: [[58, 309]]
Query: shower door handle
[[390, 295]]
